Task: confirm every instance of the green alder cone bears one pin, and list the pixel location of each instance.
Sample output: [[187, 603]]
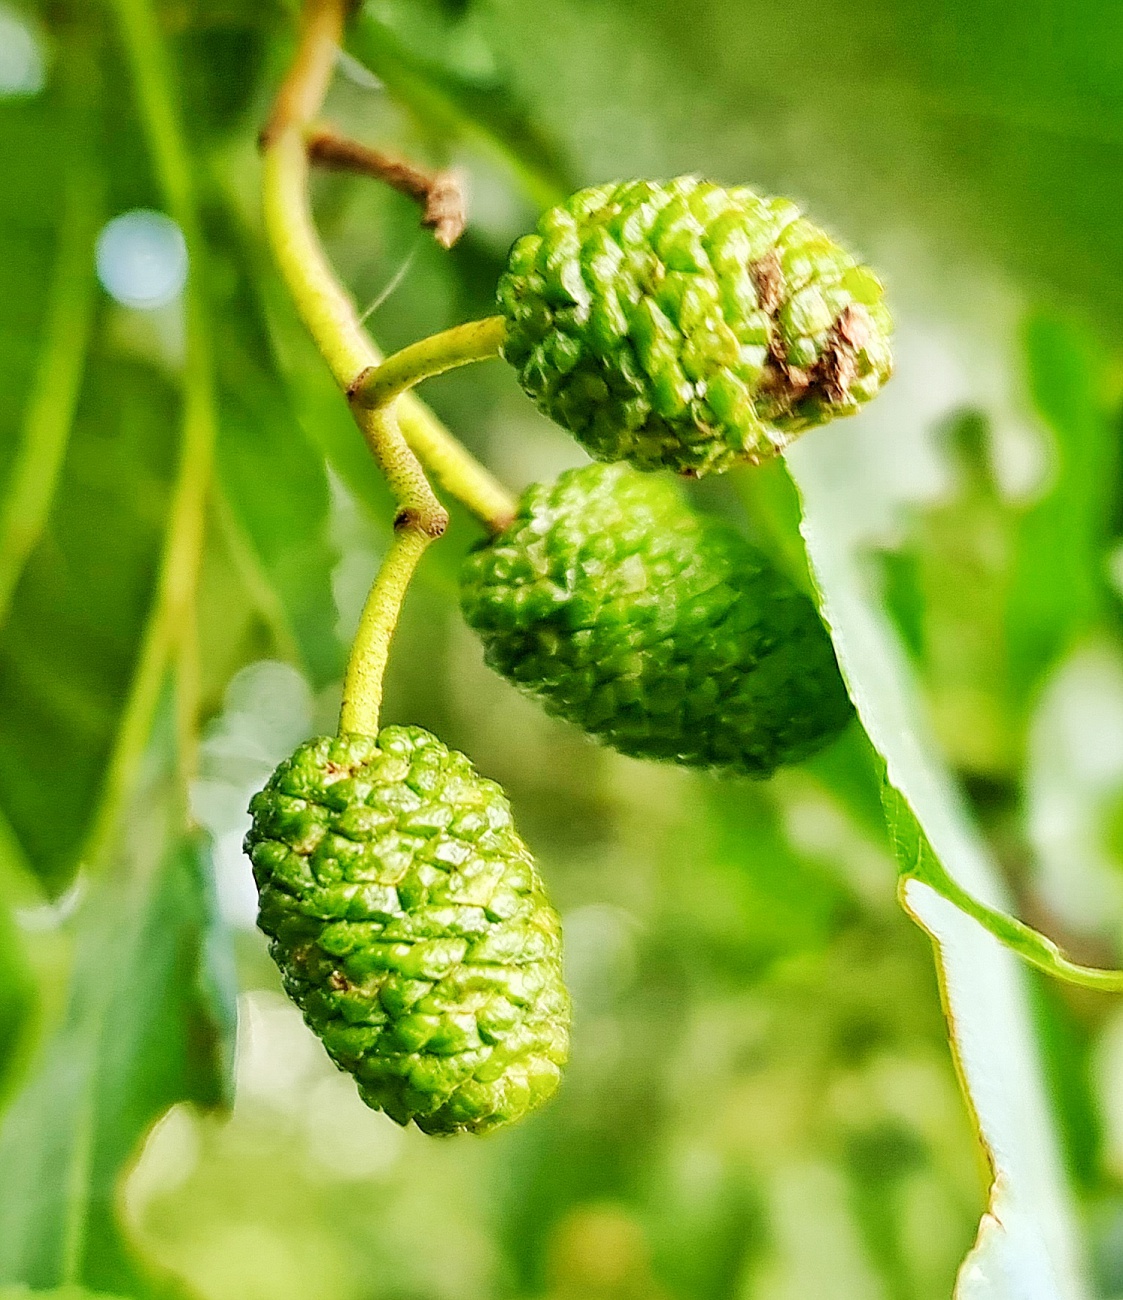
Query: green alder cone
[[411, 927], [686, 325], [658, 630]]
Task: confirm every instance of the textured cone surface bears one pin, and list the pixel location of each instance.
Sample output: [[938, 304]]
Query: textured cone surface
[[687, 325], [411, 928], [660, 631]]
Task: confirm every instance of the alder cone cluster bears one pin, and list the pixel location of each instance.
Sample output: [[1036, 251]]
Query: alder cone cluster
[[660, 631], [411, 928], [686, 325]]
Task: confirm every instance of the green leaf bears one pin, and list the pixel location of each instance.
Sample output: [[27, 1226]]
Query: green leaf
[[19, 1000], [1028, 1242], [148, 1024], [918, 863], [947, 589], [49, 412], [1058, 587], [483, 111], [60, 659], [1068, 1046], [17, 990], [750, 898], [17, 995], [68, 650]]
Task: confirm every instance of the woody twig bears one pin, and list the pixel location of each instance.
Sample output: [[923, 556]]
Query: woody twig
[[440, 193]]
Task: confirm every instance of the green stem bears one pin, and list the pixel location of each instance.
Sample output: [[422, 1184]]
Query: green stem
[[455, 468], [177, 581], [366, 668], [478, 340], [49, 416], [457, 471], [328, 313]]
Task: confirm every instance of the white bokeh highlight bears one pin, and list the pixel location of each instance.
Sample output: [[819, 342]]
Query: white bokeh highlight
[[141, 259], [23, 70]]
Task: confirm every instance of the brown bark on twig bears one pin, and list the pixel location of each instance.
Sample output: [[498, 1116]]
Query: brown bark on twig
[[303, 89], [440, 194]]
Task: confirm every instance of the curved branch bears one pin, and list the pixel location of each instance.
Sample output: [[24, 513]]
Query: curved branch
[[327, 310], [330, 317]]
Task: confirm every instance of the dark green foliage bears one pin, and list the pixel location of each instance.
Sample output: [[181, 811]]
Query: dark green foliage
[[273, 479], [660, 631], [483, 110], [411, 927], [1057, 586], [686, 325], [68, 651]]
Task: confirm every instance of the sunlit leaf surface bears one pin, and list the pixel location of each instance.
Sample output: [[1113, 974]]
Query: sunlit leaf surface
[[1027, 1245]]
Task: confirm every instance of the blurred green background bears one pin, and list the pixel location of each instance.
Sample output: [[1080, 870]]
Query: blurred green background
[[761, 1103]]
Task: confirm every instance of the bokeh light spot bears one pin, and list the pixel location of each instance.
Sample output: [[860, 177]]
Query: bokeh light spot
[[142, 258], [22, 65]]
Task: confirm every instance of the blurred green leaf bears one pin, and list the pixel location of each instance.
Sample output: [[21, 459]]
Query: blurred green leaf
[[19, 1000], [68, 650], [53, 396], [947, 588], [1058, 586], [904, 597], [274, 482], [148, 1024], [56, 1293], [17, 994], [222, 46], [483, 111], [30, 200], [706, 1230], [1067, 1046], [992, 131], [751, 899], [63, 658], [850, 771]]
